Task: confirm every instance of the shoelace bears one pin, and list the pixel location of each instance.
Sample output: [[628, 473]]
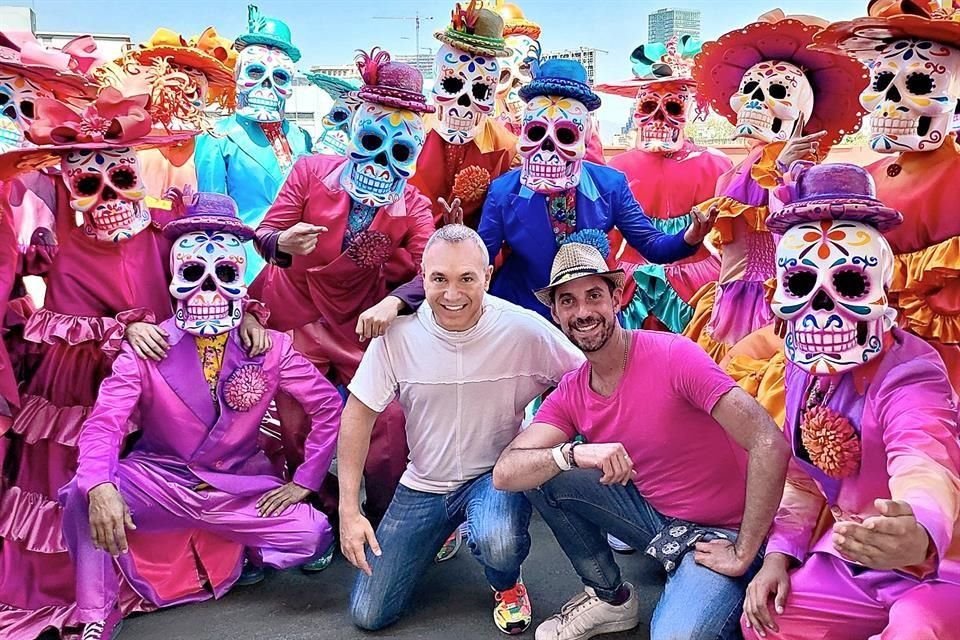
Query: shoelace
[[511, 597], [94, 630], [573, 607]]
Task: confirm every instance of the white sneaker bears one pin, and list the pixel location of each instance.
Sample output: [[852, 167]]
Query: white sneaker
[[586, 615], [619, 545]]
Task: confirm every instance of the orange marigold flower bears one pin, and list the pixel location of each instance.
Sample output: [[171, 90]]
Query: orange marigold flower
[[471, 184], [831, 442]]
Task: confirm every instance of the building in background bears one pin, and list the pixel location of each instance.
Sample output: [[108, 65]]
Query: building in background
[[423, 62], [665, 23], [346, 71], [110, 45], [584, 55]]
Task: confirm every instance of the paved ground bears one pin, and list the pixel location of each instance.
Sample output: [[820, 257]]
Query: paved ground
[[453, 603]]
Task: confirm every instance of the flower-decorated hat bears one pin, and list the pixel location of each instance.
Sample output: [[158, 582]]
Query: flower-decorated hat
[[476, 30], [515, 23], [392, 84], [269, 32], [657, 63], [208, 53], [204, 212], [892, 20], [564, 78], [836, 191], [837, 80], [64, 71], [111, 122]]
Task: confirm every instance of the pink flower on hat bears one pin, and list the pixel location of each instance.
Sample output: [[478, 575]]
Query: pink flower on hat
[[245, 387]]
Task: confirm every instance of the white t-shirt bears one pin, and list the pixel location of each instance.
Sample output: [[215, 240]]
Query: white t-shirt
[[463, 393]]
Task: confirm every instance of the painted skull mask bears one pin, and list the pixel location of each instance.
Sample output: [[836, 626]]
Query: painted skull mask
[[107, 189], [385, 143], [208, 281], [553, 143], [772, 97], [336, 122], [832, 280], [515, 73], [17, 103], [912, 96], [660, 116], [464, 93], [264, 83]]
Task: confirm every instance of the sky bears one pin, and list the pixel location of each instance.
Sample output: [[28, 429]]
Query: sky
[[330, 31]]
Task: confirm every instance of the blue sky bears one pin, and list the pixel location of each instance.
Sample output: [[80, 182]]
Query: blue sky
[[329, 31]]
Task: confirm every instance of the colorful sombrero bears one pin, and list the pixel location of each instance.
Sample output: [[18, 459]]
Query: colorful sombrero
[[208, 53], [204, 212], [837, 80], [657, 63], [392, 84], [515, 23], [475, 30], [63, 71], [269, 32]]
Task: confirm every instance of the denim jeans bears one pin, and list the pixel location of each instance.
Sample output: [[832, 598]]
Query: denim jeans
[[697, 603], [415, 527]]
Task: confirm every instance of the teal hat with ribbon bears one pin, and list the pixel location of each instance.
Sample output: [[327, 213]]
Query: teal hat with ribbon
[[268, 32]]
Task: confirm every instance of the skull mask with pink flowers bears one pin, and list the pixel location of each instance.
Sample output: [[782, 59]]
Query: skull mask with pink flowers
[[553, 143], [773, 97], [106, 188], [208, 281]]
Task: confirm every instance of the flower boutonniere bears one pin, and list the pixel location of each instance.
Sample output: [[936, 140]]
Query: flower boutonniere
[[245, 387], [831, 442], [370, 249], [471, 184]]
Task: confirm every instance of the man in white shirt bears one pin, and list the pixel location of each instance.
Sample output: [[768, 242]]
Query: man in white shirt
[[464, 367]]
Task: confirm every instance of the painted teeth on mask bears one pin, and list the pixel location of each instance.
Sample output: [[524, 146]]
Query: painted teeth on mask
[[818, 341], [539, 170], [266, 103], [112, 218], [207, 312], [372, 184], [460, 124], [893, 126]]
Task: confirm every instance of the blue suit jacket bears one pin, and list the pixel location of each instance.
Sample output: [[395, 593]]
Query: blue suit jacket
[[517, 216], [236, 159]]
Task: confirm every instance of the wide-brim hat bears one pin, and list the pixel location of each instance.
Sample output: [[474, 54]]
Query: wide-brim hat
[[515, 23], [204, 212], [333, 86], [657, 64], [837, 80], [630, 88], [62, 71], [476, 30], [574, 261], [269, 32], [563, 78], [889, 20], [392, 84], [208, 53], [112, 122], [835, 191]]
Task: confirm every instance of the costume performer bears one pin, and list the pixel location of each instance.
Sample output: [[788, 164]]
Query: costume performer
[[340, 233], [793, 103], [183, 78], [669, 175], [84, 320], [466, 147], [250, 153], [336, 122], [872, 422], [197, 462], [913, 52]]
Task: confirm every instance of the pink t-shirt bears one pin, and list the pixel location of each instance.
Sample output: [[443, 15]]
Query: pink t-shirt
[[687, 466]]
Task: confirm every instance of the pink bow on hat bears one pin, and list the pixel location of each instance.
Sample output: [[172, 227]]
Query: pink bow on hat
[[112, 118]]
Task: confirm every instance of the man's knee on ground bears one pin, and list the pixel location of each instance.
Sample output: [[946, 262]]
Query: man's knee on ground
[[368, 615]]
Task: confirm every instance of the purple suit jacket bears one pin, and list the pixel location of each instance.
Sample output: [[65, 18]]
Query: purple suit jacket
[[180, 426]]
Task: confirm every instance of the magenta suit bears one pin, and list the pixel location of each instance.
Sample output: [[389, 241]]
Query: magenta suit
[[904, 409], [196, 466]]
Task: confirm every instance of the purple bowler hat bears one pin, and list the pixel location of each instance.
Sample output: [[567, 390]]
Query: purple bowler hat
[[392, 84], [837, 191], [204, 212]]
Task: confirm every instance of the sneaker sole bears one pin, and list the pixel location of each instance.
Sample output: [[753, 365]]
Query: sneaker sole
[[609, 627], [512, 630]]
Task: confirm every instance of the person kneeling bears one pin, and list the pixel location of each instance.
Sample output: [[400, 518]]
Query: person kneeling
[[197, 463]]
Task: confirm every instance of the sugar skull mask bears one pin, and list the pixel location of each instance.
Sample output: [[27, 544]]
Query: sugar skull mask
[[384, 146], [336, 122], [832, 280], [106, 188], [464, 93], [772, 97], [660, 116], [264, 83], [17, 98], [914, 86], [208, 286], [515, 73], [553, 142]]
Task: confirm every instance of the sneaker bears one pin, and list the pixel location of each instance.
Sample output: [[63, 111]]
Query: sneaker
[[104, 629], [619, 545], [452, 545], [513, 613], [250, 574], [586, 615], [321, 563]]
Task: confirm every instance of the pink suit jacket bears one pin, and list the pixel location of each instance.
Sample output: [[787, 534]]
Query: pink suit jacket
[[907, 414], [180, 426]]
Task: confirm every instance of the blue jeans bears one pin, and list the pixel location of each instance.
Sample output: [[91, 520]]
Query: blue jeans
[[697, 603], [415, 527]]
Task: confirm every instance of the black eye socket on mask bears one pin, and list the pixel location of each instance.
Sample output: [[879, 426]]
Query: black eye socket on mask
[[850, 283], [800, 283], [452, 85], [123, 178], [88, 184], [371, 142], [192, 272], [777, 91], [536, 133], [226, 272]]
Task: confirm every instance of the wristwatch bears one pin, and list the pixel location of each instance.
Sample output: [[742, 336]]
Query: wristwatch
[[573, 458], [560, 458]]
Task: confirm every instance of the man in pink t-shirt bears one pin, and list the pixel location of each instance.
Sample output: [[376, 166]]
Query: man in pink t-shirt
[[676, 457]]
